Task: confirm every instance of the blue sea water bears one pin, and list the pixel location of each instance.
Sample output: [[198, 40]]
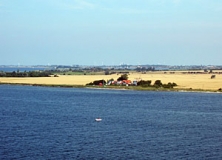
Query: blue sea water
[[59, 123]]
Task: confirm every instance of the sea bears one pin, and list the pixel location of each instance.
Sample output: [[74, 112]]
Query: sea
[[59, 123]]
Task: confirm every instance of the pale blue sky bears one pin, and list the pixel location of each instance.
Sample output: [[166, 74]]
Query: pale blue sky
[[95, 32]]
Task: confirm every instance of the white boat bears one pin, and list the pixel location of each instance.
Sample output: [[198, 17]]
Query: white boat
[[98, 119]]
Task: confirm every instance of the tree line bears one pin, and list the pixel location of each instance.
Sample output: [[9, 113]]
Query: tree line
[[26, 74], [142, 83]]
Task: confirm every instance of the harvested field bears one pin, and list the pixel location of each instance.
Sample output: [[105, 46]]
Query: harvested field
[[186, 81]]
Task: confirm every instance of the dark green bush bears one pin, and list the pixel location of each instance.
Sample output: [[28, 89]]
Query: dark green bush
[[158, 83], [144, 83]]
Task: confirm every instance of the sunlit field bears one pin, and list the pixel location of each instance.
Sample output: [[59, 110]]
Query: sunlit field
[[186, 81]]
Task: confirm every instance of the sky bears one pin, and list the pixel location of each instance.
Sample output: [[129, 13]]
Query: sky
[[110, 32]]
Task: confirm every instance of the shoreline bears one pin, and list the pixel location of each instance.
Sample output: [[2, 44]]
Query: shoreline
[[185, 82], [132, 88]]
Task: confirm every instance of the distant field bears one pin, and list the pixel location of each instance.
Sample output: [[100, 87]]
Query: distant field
[[194, 81]]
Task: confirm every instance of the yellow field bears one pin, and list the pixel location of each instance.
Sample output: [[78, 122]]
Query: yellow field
[[194, 81]]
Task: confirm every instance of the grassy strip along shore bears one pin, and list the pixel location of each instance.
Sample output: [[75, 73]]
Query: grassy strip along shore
[[136, 88]]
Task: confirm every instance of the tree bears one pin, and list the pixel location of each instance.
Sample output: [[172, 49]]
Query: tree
[[169, 85], [98, 82], [107, 72], [158, 83], [13, 74], [123, 77], [144, 83], [2, 74]]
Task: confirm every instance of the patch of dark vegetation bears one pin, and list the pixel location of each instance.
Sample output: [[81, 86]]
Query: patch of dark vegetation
[[26, 74], [123, 81], [97, 82], [144, 83]]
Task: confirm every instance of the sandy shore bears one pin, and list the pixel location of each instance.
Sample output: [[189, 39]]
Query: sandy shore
[[186, 81]]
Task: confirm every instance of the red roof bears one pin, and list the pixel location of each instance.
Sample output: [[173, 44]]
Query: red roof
[[127, 81]]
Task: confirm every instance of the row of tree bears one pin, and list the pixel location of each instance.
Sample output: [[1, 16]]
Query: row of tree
[[157, 83], [26, 74]]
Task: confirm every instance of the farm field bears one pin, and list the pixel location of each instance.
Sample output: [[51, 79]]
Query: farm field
[[184, 81]]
